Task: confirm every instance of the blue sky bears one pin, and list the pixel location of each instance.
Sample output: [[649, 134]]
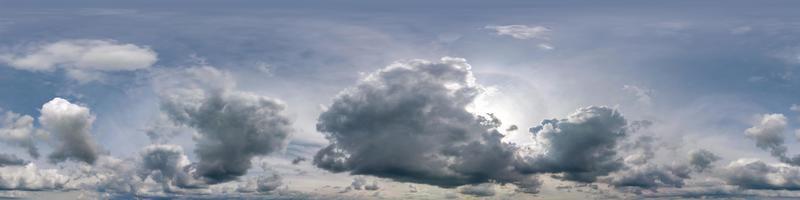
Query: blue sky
[[712, 75]]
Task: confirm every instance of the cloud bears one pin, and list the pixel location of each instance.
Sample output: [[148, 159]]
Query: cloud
[[18, 130], [583, 146], [522, 32], [480, 190], [651, 176], [702, 159], [72, 125], [408, 122], [11, 159], [643, 95], [81, 59], [261, 184], [233, 126], [360, 183], [768, 133], [30, 177], [168, 165], [755, 174]]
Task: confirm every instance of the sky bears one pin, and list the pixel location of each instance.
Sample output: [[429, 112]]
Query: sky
[[348, 99]]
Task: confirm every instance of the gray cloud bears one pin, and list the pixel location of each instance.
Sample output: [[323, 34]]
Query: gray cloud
[[651, 176], [167, 164], [702, 159], [582, 147], [18, 130], [71, 124], [768, 133], [261, 184], [11, 159], [480, 190], [755, 174], [408, 122], [233, 126]]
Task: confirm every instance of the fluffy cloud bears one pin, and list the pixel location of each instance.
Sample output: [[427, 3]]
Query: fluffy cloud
[[755, 174], [233, 126], [18, 130], [262, 184], [651, 176], [30, 177], [82, 58], [582, 147], [702, 159], [167, 164], [768, 133], [360, 183], [522, 32], [480, 190], [408, 122], [71, 124]]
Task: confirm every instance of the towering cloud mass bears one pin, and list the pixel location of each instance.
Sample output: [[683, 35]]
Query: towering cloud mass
[[81, 59], [233, 126], [72, 126], [583, 146], [408, 122], [18, 130]]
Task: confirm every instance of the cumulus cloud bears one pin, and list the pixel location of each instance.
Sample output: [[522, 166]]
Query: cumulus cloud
[[582, 147], [409, 122], [702, 159], [360, 183], [768, 133], [480, 190], [167, 164], [651, 176], [18, 130], [262, 184], [522, 32], [30, 177], [232, 126], [71, 124], [81, 59], [755, 174]]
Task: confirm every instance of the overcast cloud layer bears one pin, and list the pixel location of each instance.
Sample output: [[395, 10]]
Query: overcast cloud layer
[[399, 100]]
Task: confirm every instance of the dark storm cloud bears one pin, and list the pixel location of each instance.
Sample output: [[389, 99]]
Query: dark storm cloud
[[233, 126], [72, 125], [582, 147], [408, 122]]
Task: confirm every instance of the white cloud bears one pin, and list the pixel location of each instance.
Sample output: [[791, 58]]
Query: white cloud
[[522, 32], [71, 124], [30, 177], [82, 59], [643, 94]]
